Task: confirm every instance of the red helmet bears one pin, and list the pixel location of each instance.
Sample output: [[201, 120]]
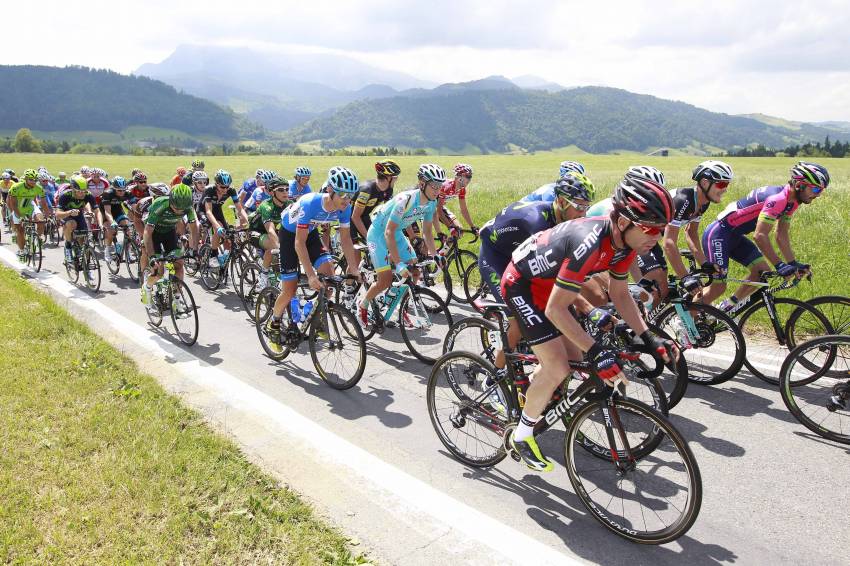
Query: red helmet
[[463, 169], [181, 171], [140, 177]]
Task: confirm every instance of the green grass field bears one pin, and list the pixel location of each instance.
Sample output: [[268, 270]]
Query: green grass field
[[819, 231]]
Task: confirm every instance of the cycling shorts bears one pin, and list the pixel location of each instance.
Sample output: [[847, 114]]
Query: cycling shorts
[[491, 265], [527, 300], [652, 260], [164, 242], [722, 242], [289, 257], [380, 254]]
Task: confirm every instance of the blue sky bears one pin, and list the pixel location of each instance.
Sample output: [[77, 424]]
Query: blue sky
[[789, 59]]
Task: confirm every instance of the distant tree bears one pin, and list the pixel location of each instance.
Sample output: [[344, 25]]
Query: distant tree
[[26, 143]]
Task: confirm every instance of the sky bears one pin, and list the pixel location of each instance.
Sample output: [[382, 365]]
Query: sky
[[782, 58]]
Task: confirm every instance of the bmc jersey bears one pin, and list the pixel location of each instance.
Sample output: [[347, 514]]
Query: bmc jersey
[[571, 251], [770, 203], [370, 196], [685, 207], [404, 209], [308, 212], [163, 218], [450, 190], [516, 223], [546, 193]]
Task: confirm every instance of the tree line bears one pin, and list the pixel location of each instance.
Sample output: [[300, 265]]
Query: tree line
[[816, 149]]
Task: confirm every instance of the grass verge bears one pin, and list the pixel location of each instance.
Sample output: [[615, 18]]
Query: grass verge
[[98, 464]]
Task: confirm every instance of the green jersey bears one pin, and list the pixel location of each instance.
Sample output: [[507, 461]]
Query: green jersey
[[163, 218], [268, 211], [25, 196]]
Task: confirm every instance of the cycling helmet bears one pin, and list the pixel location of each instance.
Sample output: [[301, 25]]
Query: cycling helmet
[[277, 181], [643, 201], [222, 177], [159, 190], [99, 172], [11, 172], [140, 177], [267, 176], [181, 197], [85, 170], [200, 176], [463, 169], [259, 173], [571, 167], [575, 186], [43, 175], [30, 175], [647, 172], [119, 183], [342, 180], [303, 172], [181, 171], [712, 170], [6, 176], [431, 172], [197, 165], [811, 173], [79, 184], [61, 174], [387, 168]]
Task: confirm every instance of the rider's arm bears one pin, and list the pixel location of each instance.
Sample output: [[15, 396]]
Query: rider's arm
[[428, 233], [671, 250], [694, 243], [464, 211], [243, 216], [351, 255], [148, 238], [272, 233], [210, 216], [558, 313], [193, 235], [783, 240], [357, 218], [12, 202], [618, 290], [301, 234], [762, 239]]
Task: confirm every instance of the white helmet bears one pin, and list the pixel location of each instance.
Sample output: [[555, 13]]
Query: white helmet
[[713, 171], [646, 172]]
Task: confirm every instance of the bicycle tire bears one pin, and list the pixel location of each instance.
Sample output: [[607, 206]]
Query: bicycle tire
[[685, 513], [809, 406], [474, 288], [471, 334], [248, 287], [211, 277], [836, 309], [34, 253], [154, 317], [457, 419], [710, 321], [457, 266], [132, 257], [262, 316], [71, 267], [91, 270], [429, 316], [349, 337], [113, 261], [794, 335], [190, 335]]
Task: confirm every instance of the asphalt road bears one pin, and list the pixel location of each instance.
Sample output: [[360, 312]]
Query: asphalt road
[[773, 492]]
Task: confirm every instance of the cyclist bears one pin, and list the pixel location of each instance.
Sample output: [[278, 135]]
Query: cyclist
[[214, 197], [23, 202], [85, 172], [372, 194], [300, 242], [178, 178], [71, 209], [138, 190], [759, 211], [547, 192], [197, 165], [265, 223], [517, 222], [261, 193], [49, 185], [6, 183], [300, 185], [161, 234], [97, 184], [250, 185], [199, 182], [386, 240], [689, 204], [141, 208], [456, 188], [112, 203], [544, 278]]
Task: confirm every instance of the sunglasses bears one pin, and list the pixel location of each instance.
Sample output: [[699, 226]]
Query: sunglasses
[[816, 190], [649, 229], [577, 206], [721, 184]]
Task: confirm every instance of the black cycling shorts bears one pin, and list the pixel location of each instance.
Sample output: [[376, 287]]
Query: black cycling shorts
[[289, 258], [652, 260], [527, 300], [165, 242]]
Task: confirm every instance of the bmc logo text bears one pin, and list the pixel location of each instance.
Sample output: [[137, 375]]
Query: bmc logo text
[[525, 310], [540, 263], [587, 244]]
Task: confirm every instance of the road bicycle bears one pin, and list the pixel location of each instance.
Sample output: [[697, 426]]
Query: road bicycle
[[334, 337], [33, 255], [458, 261], [84, 260], [127, 250], [618, 451], [230, 262], [172, 296]]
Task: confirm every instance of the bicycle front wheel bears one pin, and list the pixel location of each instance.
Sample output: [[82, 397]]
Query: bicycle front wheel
[[836, 309], [337, 347], [819, 400], [474, 287], [457, 270], [91, 270], [184, 313], [131, 259], [34, 253], [469, 408], [424, 320], [650, 500], [270, 339]]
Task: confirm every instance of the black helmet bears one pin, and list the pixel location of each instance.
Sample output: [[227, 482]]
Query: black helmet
[[643, 201]]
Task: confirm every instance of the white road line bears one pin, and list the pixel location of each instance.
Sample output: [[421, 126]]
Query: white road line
[[386, 479]]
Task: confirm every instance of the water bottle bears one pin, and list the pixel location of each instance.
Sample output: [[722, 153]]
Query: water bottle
[[295, 309], [118, 248], [305, 310]]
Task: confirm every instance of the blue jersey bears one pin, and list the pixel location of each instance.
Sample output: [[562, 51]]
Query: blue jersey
[[404, 209], [295, 192], [546, 193], [308, 212], [256, 198], [50, 194], [247, 190]]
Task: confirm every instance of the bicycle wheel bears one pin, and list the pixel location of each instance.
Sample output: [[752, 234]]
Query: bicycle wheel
[[716, 354], [337, 347], [474, 288], [184, 313], [472, 334], [131, 259], [71, 267], [193, 264], [469, 416], [269, 339], [91, 270], [424, 320], [672, 377], [819, 401], [836, 309], [113, 261], [211, 272], [248, 290], [54, 233], [457, 267], [155, 315], [767, 346], [653, 499], [34, 253]]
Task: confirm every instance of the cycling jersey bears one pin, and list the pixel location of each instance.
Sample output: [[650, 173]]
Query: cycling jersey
[[257, 197], [163, 218], [450, 190], [308, 212], [176, 180], [143, 205], [369, 197], [68, 202], [5, 186], [404, 209], [49, 194], [267, 212], [137, 192], [686, 207], [601, 208], [654, 258], [546, 193], [114, 202], [25, 196], [211, 195], [770, 203], [296, 192], [97, 187]]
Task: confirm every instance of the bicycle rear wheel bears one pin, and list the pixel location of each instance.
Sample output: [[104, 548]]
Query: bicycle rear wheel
[[91, 270], [472, 334], [337, 347], [469, 416], [131, 259], [211, 274], [474, 287], [819, 401], [34, 253], [424, 320], [184, 313], [248, 290], [836, 309], [113, 261], [653, 499], [269, 339], [457, 269]]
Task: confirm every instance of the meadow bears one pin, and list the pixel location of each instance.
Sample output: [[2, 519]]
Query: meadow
[[820, 232]]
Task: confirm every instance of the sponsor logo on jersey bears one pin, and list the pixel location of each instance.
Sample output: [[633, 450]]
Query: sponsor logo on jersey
[[588, 242], [526, 311], [540, 263]]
